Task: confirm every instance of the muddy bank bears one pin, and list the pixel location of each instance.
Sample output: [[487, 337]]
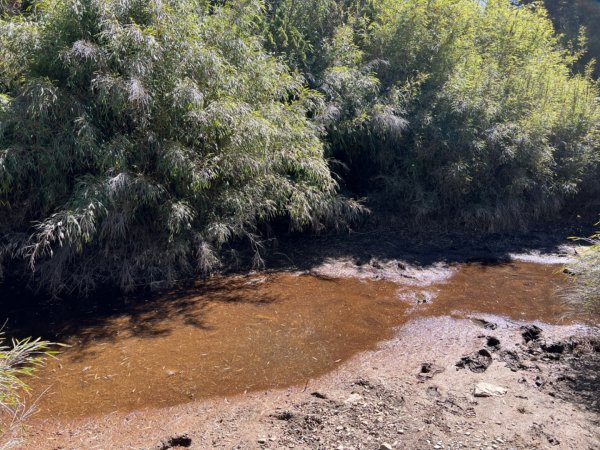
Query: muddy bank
[[382, 398], [368, 345], [421, 249]]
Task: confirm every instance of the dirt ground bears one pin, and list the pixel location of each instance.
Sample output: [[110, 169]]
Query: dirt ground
[[408, 394]]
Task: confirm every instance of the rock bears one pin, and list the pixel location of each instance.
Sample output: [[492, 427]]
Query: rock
[[539, 381], [512, 360], [531, 332], [433, 391], [354, 397], [553, 347], [489, 390], [262, 441], [283, 415], [319, 395], [385, 446], [477, 362], [484, 323]]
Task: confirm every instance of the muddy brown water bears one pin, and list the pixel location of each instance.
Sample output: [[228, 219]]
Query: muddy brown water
[[237, 335]]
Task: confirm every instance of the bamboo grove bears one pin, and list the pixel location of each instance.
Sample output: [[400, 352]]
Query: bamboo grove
[[143, 141]]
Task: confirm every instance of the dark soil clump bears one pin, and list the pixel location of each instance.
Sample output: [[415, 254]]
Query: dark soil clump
[[477, 362], [531, 333]]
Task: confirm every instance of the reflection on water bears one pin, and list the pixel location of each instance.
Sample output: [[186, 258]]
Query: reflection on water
[[234, 335]]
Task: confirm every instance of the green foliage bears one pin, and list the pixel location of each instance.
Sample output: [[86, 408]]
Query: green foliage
[[17, 362], [500, 131], [299, 30], [586, 269], [140, 137], [577, 21], [458, 110]]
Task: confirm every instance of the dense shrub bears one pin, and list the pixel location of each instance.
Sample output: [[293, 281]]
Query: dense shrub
[[139, 137], [570, 18], [499, 130], [453, 110]]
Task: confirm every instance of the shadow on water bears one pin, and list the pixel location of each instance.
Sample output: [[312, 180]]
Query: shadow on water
[[228, 336], [147, 315]]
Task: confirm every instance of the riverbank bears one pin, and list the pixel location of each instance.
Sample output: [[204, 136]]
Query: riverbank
[[396, 382], [407, 394]]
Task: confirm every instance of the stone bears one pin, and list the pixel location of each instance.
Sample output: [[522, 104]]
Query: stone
[[483, 323], [492, 342], [354, 397], [180, 441], [489, 390], [385, 446], [554, 347]]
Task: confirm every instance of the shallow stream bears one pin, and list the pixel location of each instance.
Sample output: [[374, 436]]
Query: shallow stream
[[242, 334]]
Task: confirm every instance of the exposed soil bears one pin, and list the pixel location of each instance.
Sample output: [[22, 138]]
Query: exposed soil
[[454, 367]]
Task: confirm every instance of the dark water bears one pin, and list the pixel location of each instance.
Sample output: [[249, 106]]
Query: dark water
[[246, 334]]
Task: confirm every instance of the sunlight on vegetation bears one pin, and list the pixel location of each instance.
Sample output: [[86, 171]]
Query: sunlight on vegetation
[[143, 141], [147, 144], [18, 362], [452, 110], [140, 137]]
